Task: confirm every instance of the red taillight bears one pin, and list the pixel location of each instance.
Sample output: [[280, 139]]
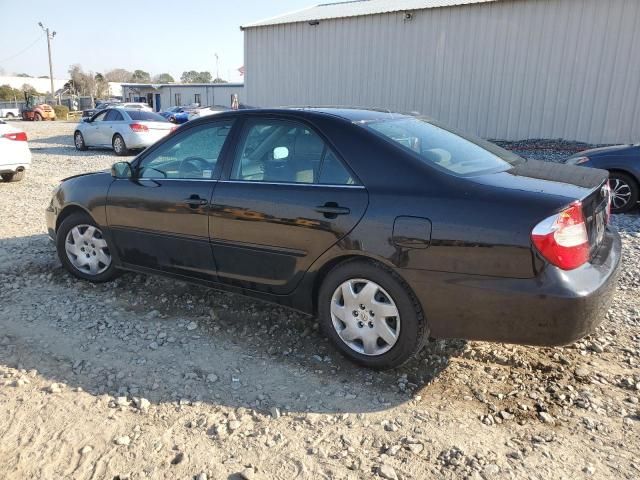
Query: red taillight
[[562, 239], [17, 136], [138, 127]]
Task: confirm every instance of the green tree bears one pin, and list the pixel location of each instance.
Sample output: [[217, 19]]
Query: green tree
[[119, 75], [163, 78], [195, 77], [219, 80], [8, 93], [140, 76]]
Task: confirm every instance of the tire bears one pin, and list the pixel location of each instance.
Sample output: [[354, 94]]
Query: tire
[[37, 117], [78, 141], [119, 146], [66, 246], [624, 192], [13, 177], [409, 327], [10, 115]]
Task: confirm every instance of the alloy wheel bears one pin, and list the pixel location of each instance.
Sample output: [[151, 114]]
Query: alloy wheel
[[87, 250], [79, 141], [620, 193], [365, 317], [118, 144]]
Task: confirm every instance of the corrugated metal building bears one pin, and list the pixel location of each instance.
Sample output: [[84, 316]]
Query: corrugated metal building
[[502, 69], [163, 96]]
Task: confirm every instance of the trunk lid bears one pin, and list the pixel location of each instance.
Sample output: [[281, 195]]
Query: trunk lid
[[565, 183], [164, 126]]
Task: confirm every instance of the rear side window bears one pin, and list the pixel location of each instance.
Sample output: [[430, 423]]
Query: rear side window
[[455, 153], [141, 116], [114, 116], [283, 151]]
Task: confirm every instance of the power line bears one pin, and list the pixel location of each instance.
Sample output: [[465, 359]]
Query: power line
[[22, 51]]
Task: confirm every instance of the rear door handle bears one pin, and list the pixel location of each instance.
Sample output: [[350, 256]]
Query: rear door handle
[[332, 210], [195, 201]]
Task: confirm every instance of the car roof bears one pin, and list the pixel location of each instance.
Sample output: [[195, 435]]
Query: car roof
[[350, 114]]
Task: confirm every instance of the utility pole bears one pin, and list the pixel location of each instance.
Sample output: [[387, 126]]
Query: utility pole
[[217, 69], [49, 38]]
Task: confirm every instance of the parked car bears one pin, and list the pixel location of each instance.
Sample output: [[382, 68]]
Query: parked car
[[121, 129], [9, 112], [206, 111], [99, 106], [15, 156], [105, 105], [178, 115], [623, 164], [389, 228]]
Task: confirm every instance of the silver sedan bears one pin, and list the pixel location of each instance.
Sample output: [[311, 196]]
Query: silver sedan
[[121, 129]]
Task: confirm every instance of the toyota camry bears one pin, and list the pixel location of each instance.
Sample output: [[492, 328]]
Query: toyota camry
[[389, 228]]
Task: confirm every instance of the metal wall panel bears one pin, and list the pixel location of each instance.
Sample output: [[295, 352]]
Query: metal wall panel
[[509, 70]]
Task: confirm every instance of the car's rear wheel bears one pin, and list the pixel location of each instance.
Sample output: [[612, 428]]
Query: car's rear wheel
[[10, 115], [13, 177], [370, 315], [78, 139], [119, 146], [83, 250], [624, 192]]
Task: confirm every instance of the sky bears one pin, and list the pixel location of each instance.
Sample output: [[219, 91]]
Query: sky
[[156, 36]]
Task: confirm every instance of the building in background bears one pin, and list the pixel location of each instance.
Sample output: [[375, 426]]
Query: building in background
[[163, 96], [501, 69], [41, 85]]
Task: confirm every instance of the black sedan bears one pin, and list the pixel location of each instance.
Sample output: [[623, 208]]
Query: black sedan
[[389, 228], [623, 164]]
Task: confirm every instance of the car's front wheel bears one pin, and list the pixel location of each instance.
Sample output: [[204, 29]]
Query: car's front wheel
[[119, 146], [370, 315], [78, 139], [624, 192], [83, 250]]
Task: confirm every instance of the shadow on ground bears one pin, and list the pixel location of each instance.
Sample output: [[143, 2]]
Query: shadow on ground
[[170, 341]]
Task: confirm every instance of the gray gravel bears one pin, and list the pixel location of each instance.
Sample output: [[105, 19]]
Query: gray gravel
[[151, 378]]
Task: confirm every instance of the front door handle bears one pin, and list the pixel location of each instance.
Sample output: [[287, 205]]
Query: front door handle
[[332, 210], [194, 201]]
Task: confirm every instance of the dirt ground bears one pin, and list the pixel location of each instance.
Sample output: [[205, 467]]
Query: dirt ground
[[152, 378]]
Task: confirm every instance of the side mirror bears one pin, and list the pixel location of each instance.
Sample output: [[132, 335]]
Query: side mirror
[[86, 119], [121, 170], [280, 153]]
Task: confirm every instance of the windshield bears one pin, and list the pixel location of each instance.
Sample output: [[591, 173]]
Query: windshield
[[443, 148], [141, 115]]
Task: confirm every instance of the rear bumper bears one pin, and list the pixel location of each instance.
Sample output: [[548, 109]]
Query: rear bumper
[[555, 308], [143, 140]]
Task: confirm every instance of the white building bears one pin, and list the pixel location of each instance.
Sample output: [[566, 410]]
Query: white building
[[42, 85], [163, 96], [502, 69]]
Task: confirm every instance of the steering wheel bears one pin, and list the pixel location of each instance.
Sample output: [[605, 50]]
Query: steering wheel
[[194, 166]]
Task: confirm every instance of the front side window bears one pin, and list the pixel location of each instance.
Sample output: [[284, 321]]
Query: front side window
[[191, 155], [100, 117], [443, 148], [286, 152]]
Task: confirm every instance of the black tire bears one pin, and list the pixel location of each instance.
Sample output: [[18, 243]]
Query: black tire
[[37, 117], [414, 331], [119, 146], [78, 141], [10, 115], [628, 185], [73, 220], [13, 177]]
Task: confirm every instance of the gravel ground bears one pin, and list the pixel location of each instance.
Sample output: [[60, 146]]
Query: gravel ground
[[152, 378]]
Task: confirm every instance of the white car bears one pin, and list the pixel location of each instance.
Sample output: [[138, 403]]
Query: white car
[[121, 129], [10, 112], [15, 156], [206, 111]]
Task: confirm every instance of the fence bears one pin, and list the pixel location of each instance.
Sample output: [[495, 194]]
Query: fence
[[84, 103]]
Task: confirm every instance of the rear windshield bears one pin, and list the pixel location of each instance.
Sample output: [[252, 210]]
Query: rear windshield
[[141, 115], [443, 148]]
